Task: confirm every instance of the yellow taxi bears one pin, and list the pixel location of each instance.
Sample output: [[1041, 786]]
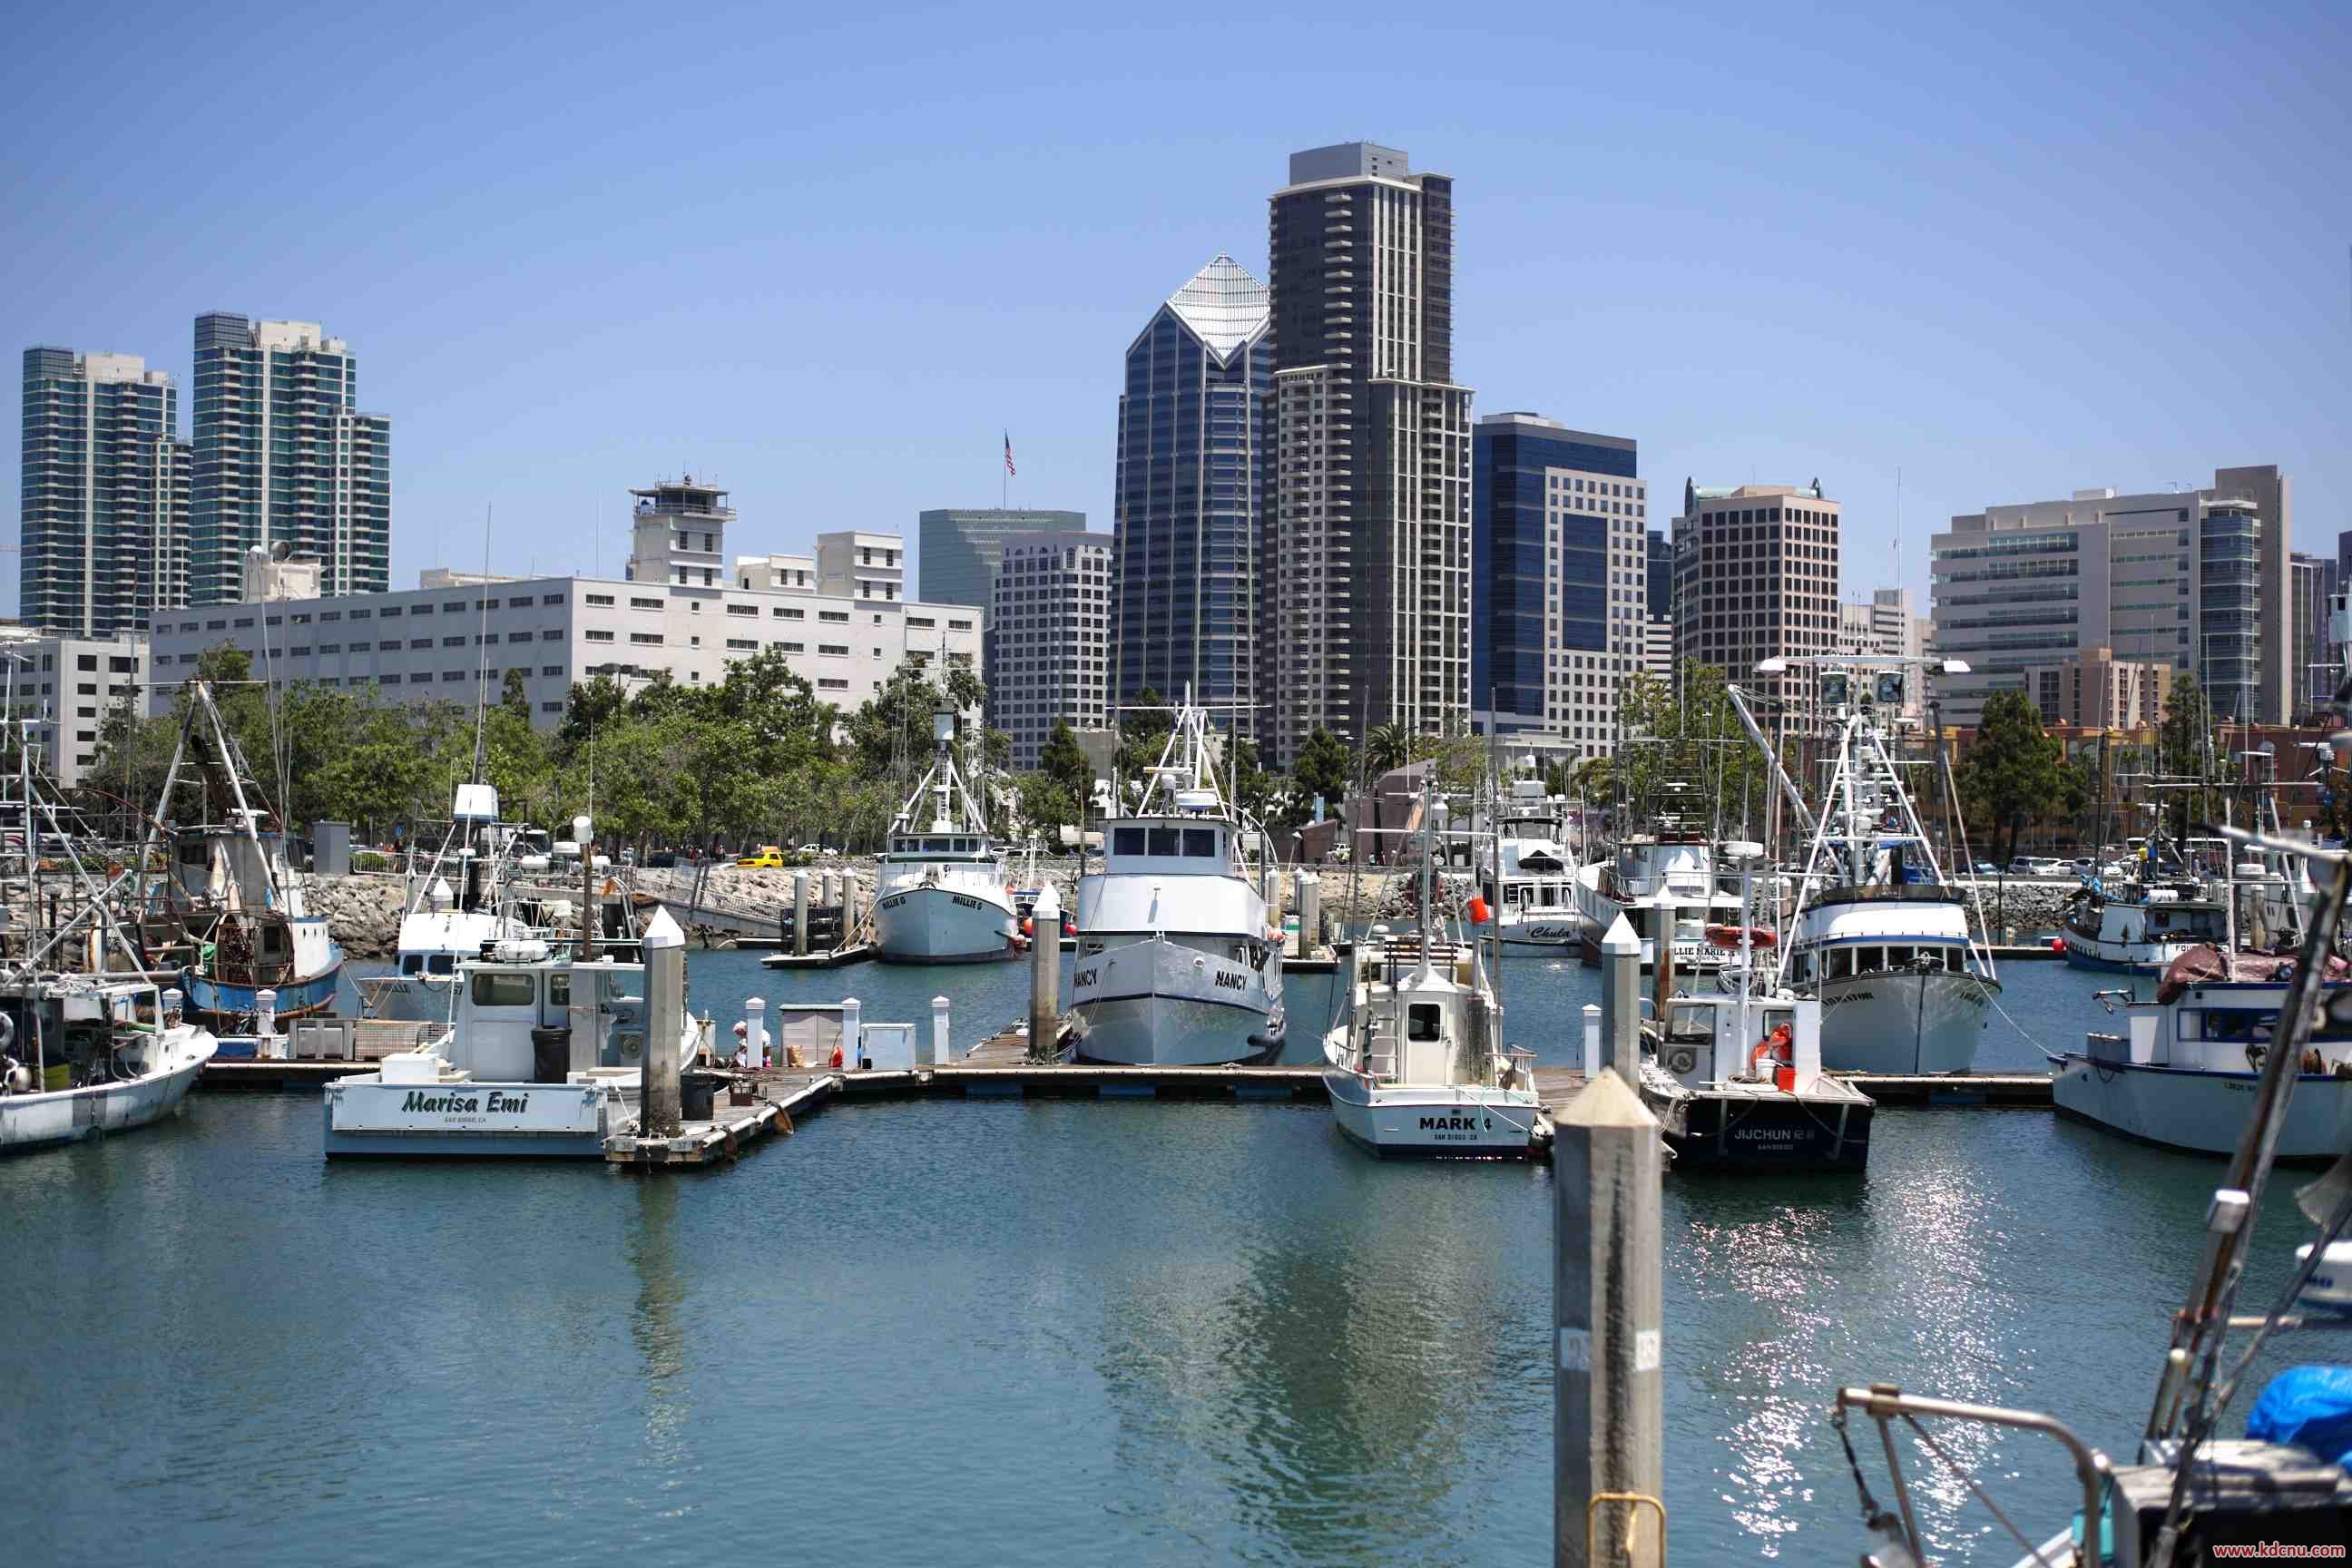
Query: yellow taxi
[[770, 857]]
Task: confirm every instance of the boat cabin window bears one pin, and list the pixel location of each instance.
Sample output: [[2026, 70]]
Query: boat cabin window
[[1127, 841], [441, 963], [1421, 1021], [412, 964], [1801, 968], [1900, 957], [1838, 963], [559, 988], [2237, 1024], [1201, 841], [274, 941], [935, 845], [1167, 841], [1510, 894], [496, 988]]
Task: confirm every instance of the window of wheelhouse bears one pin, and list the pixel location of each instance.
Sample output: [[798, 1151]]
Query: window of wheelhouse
[[496, 988], [1421, 1021], [1201, 842], [1166, 841], [1838, 963], [1127, 841]]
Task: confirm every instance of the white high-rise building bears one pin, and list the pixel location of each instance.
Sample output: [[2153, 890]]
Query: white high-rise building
[[104, 524], [1048, 657]]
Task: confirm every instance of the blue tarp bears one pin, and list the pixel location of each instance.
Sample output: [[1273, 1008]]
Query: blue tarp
[[2310, 1406]]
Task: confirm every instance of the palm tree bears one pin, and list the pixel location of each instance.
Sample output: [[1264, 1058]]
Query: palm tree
[[1387, 747]]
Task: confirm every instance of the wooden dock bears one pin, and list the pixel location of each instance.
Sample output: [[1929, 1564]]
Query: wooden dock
[[831, 958]]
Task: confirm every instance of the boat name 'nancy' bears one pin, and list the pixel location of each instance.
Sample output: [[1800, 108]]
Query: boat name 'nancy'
[[507, 1104]]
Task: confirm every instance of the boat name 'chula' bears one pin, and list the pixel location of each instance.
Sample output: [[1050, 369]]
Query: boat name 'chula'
[[510, 1104]]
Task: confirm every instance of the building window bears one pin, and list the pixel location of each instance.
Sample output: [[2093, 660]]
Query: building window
[[603, 600], [599, 637], [644, 604]]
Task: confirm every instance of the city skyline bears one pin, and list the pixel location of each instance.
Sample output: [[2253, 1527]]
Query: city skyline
[[512, 328]]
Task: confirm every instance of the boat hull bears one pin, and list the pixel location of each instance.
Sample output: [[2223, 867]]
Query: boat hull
[[1755, 1135], [2200, 1111], [1909, 1021], [365, 1117], [941, 925], [219, 1002], [62, 1116], [1556, 932], [1432, 1121], [1158, 1002]]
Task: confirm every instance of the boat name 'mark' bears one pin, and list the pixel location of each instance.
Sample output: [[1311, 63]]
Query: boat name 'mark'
[[507, 1104]]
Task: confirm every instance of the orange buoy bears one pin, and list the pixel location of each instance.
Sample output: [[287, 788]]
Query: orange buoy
[[1477, 911], [1070, 928], [2057, 945], [1028, 926]]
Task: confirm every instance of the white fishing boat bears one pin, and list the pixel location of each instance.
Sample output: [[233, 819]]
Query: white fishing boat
[[2140, 927], [1663, 883], [82, 1053], [1179, 961], [445, 924], [545, 1058], [943, 896], [1879, 934], [2182, 1072], [1531, 889], [1418, 1066]]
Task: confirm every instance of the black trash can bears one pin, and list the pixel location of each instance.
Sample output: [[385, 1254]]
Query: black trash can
[[550, 1054], [697, 1094]]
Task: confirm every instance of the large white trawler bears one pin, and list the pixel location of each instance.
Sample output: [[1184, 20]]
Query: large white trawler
[[443, 923], [1418, 1066], [944, 896], [1177, 963], [1663, 882], [545, 1058], [1532, 885], [1879, 934]]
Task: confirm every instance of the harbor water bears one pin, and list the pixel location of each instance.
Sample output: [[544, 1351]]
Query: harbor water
[[1058, 1333]]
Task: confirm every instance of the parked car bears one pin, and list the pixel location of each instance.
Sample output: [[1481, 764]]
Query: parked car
[[1985, 869], [661, 860], [2036, 866], [770, 857]]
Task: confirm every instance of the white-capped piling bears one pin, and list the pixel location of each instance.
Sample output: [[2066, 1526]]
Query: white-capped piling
[[800, 912], [853, 1033], [1045, 973], [755, 1029], [1310, 913], [267, 1044], [1621, 1000], [1608, 1409], [943, 1043], [664, 948], [848, 926], [1592, 1041]]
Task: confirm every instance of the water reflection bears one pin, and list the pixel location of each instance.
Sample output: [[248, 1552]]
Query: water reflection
[[655, 1325]]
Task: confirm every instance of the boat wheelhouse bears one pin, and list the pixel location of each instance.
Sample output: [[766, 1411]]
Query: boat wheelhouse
[[943, 895]]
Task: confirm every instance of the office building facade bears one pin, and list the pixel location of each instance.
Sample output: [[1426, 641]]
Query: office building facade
[[66, 687], [1756, 577], [282, 455], [961, 547], [1364, 598], [1048, 641], [1560, 572], [2182, 578], [2098, 691], [1194, 454], [104, 493], [2311, 585]]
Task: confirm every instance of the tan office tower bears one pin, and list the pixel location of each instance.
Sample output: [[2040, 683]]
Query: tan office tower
[[1756, 577], [1364, 579]]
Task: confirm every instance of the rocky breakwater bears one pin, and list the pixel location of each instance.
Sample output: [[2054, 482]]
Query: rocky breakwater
[[2024, 906], [363, 910]]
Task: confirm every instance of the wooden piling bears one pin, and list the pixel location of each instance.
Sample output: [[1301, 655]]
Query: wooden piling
[[664, 949], [1044, 973], [1621, 1000]]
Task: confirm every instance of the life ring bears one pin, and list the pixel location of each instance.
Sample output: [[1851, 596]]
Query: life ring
[[1728, 936], [1777, 1045]]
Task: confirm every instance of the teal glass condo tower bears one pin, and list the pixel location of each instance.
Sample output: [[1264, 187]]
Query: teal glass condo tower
[[283, 456], [104, 491]]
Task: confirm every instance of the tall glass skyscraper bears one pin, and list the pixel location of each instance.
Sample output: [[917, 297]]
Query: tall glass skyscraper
[[105, 494], [282, 455], [1194, 451], [1559, 561]]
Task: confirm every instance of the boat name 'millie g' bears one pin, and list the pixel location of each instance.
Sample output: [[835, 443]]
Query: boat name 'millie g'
[[508, 1104]]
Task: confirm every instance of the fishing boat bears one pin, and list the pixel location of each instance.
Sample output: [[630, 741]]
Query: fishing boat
[[1531, 889], [2140, 927], [230, 907], [442, 925], [89, 1043], [1663, 882], [1880, 935], [2181, 1073], [1179, 961], [544, 1058], [943, 896], [1418, 1065]]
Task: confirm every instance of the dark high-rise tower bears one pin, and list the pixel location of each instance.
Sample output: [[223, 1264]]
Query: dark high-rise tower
[[1195, 452], [283, 456], [104, 491], [1364, 595]]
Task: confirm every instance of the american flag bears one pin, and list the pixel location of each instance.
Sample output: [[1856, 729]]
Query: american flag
[[1008, 454]]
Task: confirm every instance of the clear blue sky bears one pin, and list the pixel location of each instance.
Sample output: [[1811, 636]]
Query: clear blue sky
[[2010, 251]]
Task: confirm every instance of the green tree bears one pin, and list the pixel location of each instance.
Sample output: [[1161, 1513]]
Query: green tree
[[2014, 773], [1323, 767], [1388, 747], [1144, 726], [1046, 806], [1064, 762], [514, 696]]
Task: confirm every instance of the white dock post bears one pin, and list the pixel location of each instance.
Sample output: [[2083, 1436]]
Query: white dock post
[[1310, 913], [1592, 1041], [755, 1028], [1046, 974], [799, 913], [943, 1043], [265, 1027], [847, 928], [664, 947], [1621, 1000], [852, 1033], [1608, 1386]]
